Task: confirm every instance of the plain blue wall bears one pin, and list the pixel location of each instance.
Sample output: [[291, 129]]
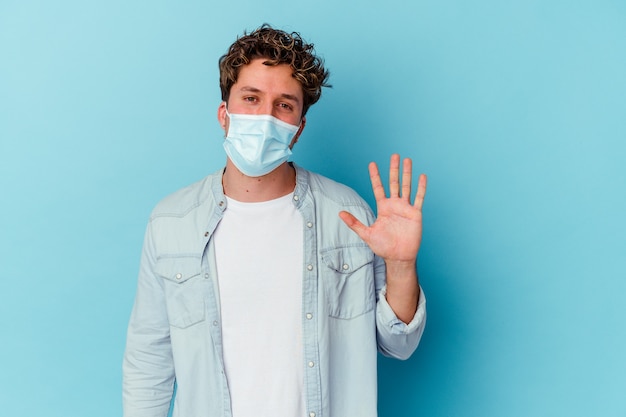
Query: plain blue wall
[[515, 109]]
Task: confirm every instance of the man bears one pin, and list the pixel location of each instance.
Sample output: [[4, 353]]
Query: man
[[266, 289]]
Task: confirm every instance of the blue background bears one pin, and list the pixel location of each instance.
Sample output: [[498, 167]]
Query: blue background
[[515, 109]]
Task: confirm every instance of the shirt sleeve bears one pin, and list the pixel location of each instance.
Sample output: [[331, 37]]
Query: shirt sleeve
[[148, 366], [395, 338]]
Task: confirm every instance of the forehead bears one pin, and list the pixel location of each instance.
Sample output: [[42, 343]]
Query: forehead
[[269, 79]]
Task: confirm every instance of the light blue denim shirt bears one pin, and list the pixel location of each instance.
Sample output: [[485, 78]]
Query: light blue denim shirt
[[174, 332]]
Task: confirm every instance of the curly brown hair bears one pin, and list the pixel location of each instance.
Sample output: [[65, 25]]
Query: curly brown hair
[[278, 47]]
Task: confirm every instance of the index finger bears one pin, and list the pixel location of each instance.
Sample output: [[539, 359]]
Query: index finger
[[377, 185]]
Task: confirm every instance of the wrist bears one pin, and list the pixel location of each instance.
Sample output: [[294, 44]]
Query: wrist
[[401, 268]]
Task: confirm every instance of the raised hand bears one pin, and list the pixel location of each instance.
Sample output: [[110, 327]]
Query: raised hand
[[396, 234]]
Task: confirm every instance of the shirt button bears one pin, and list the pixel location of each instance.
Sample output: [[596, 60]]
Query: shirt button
[[345, 266], [311, 364], [309, 225], [309, 267], [309, 316], [206, 276], [179, 275], [215, 323], [296, 198], [311, 414]]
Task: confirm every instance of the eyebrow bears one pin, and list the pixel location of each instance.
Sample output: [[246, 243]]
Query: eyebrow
[[290, 97], [256, 90]]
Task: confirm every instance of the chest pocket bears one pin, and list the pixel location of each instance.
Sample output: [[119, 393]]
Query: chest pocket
[[348, 278], [184, 295]]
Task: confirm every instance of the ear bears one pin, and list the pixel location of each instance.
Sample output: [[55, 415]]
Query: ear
[[298, 133], [222, 117]]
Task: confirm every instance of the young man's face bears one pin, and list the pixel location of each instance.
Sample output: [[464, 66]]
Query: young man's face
[[264, 89]]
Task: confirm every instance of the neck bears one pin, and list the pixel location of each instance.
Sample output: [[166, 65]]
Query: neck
[[240, 187]]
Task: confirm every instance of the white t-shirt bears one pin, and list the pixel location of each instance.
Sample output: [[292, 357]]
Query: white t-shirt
[[259, 254]]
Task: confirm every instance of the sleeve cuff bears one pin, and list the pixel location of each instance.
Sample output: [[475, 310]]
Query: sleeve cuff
[[396, 326]]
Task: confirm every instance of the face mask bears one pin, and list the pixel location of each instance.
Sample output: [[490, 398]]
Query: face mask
[[257, 144]]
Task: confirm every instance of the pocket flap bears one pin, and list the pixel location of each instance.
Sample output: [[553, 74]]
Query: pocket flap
[[348, 259], [178, 270]]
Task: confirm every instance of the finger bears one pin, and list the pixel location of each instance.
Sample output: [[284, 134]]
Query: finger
[[421, 192], [407, 172], [354, 224], [394, 176], [377, 185]]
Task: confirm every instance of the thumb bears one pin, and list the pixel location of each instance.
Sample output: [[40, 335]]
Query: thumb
[[354, 224]]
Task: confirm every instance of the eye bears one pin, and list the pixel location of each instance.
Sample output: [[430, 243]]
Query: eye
[[285, 106], [250, 99]]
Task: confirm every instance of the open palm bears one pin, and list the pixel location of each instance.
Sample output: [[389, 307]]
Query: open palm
[[396, 234]]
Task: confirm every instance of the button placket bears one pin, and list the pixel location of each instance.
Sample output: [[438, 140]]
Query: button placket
[[310, 277]]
